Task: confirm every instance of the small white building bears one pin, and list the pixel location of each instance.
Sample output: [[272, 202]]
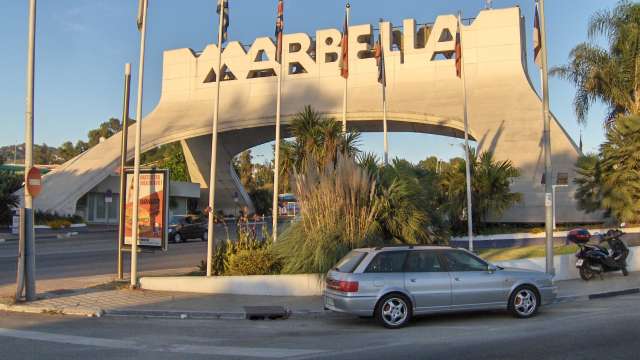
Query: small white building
[[97, 207]]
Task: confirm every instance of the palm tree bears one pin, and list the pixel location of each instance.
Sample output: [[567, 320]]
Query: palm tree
[[620, 162], [317, 142], [490, 188], [589, 181], [491, 184], [608, 75]]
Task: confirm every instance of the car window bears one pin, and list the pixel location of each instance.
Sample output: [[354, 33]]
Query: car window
[[463, 261], [387, 262], [423, 261], [350, 261]]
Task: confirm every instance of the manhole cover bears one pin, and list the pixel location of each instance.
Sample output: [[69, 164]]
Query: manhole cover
[[61, 292], [265, 312]]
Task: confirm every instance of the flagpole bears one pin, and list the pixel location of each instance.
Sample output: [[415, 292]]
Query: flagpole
[[548, 186], [276, 165], [344, 95], [136, 162], [384, 97], [123, 164], [276, 171], [466, 143], [214, 149], [384, 124]]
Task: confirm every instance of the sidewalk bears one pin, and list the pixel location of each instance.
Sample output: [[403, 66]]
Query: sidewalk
[[116, 300]]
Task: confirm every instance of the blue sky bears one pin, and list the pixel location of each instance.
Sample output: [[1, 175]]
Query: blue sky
[[82, 46]]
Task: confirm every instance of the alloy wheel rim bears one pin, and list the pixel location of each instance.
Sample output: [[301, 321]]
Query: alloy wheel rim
[[525, 302], [177, 238], [394, 311]]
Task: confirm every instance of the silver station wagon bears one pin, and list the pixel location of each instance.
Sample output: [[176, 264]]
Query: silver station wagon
[[394, 283]]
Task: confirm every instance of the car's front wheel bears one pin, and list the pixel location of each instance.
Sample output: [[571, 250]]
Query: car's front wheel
[[177, 238], [524, 302], [393, 311]]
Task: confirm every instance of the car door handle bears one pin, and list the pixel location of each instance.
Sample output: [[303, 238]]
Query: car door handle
[[412, 280], [456, 279]]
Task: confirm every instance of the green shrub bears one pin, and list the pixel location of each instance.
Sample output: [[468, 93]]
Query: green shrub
[[261, 261], [59, 223], [44, 218]]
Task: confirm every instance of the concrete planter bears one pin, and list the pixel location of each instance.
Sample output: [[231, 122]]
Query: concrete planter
[[271, 285], [313, 284]]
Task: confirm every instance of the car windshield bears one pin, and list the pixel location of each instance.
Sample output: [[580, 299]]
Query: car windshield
[[350, 261], [176, 219]]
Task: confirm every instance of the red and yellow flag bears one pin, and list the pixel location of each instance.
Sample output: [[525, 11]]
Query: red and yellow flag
[[344, 46]]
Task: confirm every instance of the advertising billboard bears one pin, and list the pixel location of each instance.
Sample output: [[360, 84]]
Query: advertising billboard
[[153, 208]]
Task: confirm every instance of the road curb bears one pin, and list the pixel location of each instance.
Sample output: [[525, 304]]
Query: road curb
[[34, 309], [205, 315], [600, 295]]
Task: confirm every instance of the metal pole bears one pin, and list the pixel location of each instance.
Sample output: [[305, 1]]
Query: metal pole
[[553, 198], [214, 151], [384, 101], [384, 125], [466, 145], [136, 162], [346, 81], [276, 171], [123, 164], [28, 233], [21, 267], [548, 202]]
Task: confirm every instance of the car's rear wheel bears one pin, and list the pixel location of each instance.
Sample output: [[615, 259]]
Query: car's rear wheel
[[524, 302], [393, 311], [177, 238]]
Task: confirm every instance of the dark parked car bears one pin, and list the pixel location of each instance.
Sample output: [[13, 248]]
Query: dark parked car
[[185, 227]]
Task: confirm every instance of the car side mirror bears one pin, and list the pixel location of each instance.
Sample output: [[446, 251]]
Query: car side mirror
[[492, 268]]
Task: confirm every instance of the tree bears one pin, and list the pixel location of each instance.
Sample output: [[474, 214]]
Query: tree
[[490, 188], [408, 204], [67, 151], [105, 130], [620, 169], [244, 168], [609, 75], [589, 182], [318, 141], [177, 166], [9, 184]]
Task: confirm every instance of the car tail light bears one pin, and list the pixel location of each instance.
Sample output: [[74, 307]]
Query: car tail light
[[342, 285]]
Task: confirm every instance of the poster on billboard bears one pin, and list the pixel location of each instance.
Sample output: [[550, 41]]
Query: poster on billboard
[[153, 209]]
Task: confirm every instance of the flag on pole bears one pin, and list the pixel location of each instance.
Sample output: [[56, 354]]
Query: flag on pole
[[140, 14], [537, 39], [458, 50], [279, 30], [224, 5], [344, 46], [378, 54]]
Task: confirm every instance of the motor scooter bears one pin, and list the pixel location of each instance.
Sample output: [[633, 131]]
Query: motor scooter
[[595, 259]]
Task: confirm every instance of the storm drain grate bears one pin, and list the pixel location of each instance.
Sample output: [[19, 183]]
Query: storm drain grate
[[266, 312]]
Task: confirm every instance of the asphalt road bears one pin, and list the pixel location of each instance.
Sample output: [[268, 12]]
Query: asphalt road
[[597, 329], [91, 254]]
